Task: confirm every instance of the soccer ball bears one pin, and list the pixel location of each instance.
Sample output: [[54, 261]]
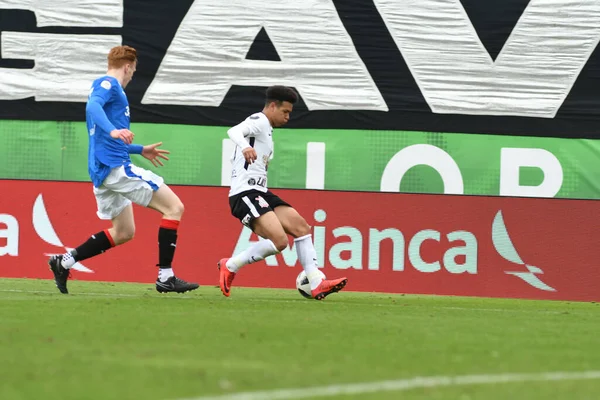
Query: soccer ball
[[303, 285]]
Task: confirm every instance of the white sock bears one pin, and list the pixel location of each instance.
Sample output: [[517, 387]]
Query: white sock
[[258, 251], [308, 259], [165, 273], [67, 261]]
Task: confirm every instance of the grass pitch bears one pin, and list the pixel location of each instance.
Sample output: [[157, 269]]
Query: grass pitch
[[126, 341]]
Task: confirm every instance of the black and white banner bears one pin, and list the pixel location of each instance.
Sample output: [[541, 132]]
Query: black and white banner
[[514, 67]]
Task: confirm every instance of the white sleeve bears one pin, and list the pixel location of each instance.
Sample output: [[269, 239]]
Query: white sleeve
[[253, 126], [238, 134]]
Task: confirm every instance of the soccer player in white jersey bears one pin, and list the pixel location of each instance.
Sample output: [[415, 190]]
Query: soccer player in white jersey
[[118, 183], [258, 208]]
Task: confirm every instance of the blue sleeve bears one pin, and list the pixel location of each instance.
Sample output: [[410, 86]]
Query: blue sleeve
[[94, 109], [135, 148], [100, 95]]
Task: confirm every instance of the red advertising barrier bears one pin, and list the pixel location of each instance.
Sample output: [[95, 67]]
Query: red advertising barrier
[[383, 242]]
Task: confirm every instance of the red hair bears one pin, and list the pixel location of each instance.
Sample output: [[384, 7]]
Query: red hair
[[121, 55]]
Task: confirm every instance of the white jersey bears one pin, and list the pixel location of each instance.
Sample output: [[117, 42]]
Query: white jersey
[[255, 131]]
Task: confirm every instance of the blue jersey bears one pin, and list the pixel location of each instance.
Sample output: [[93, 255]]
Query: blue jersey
[[107, 109]]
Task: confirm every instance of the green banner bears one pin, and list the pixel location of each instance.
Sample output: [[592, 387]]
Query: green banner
[[417, 162]]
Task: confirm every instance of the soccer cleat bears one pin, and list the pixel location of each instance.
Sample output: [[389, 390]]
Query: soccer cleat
[[174, 284], [327, 287], [225, 276], [61, 274]]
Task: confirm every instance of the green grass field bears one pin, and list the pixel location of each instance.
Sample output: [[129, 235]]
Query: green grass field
[[126, 341]]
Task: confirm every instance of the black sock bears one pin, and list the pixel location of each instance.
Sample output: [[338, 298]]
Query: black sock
[[96, 244], [167, 241]]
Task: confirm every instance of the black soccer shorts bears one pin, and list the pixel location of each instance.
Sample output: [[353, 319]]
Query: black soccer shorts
[[251, 204]]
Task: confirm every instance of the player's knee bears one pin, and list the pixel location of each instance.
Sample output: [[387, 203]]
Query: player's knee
[[301, 228], [281, 242], [179, 208], [127, 236], [124, 235], [175, 210]]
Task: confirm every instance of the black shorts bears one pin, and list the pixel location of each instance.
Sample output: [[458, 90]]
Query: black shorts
[[251, 204]]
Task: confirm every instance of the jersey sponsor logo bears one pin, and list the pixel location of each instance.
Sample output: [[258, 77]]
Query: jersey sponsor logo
[[260, 182]]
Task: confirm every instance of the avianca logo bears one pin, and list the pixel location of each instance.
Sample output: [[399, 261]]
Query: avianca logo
[[507, 250], [43, 227]]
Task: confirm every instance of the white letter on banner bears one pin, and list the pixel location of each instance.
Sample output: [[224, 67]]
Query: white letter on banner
[[65, 65], [531, 76], [85, 13], [511, 161], [10, 233], [207, 56], [315, 165], [422, 154]]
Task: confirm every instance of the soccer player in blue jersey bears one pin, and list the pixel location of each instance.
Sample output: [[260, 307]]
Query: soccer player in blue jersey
[[118, 183]]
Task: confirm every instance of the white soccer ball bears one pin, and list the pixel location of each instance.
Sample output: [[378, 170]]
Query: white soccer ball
[[303, 285]]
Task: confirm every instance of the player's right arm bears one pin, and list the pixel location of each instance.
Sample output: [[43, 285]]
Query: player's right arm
[[238, 134], [99, 96]]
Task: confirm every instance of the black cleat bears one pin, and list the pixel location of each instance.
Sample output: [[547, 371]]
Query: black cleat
[[61, 274], [174, 284]]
